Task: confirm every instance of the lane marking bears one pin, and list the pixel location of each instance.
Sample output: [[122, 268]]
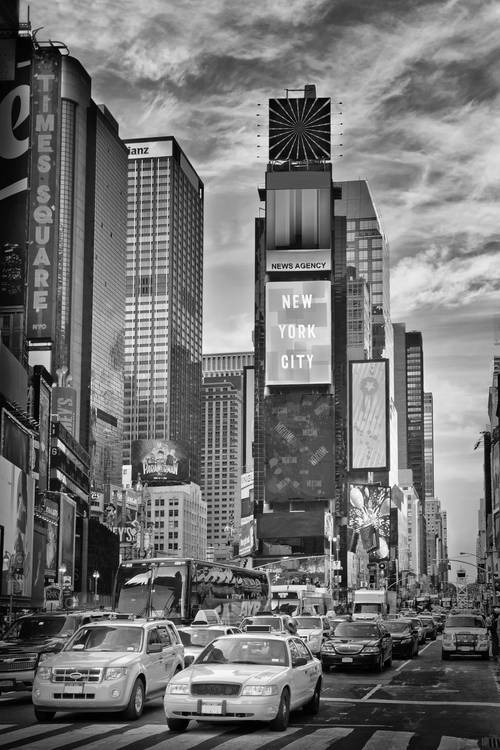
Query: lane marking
[[320, 739], [401, 701], [370, 692], [458, 743], [402, 665]]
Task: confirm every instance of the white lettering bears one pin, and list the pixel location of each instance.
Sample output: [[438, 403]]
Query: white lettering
[[45, 123], [39, 300], [296, 301], [45, 144], [296, 361]]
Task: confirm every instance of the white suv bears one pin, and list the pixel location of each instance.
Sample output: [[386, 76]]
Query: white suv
[[111, 665]]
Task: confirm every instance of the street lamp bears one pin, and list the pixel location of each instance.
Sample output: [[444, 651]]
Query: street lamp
[[96, 575], [62, 572]]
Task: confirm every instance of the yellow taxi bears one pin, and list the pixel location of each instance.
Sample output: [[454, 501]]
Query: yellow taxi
[[252, 676]]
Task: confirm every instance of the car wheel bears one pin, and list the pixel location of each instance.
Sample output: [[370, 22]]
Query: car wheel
[[433, 637], [389, 662], [177, 725], [312, 706], [44, 715], [445, 655], [136, 701], [280, 723], [379, 667]]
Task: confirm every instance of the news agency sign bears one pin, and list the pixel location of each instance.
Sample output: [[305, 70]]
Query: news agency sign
[[43, 221], [293, 261]]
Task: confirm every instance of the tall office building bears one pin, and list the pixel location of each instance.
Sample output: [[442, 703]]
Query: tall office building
[[223, 435], [415, 425], [400, 392], [428, 445], [164, 296], [359, 317]]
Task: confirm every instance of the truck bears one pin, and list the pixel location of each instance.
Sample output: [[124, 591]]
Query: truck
[[369, 604]]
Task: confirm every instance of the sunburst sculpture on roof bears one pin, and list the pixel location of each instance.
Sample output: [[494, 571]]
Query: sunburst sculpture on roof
[[299, 129]]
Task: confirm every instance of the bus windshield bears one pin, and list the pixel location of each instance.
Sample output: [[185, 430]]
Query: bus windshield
[[138, 593]]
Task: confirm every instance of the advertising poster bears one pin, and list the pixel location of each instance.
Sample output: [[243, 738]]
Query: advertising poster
[[369, 401], [370, 518], [15, 71], [43, 221], [299, 446], [67, 523], [247, 537], [17, 491], [64, 407], [52, 544], [298, 332], [44, 422], [158, 461]]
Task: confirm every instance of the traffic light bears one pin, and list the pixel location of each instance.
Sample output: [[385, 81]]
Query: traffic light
[[372, 578]]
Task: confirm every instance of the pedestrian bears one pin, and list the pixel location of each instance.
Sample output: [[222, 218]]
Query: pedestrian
[[494, 632]]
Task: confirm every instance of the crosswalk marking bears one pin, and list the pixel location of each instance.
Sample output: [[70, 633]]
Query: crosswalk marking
[[383, 740], [61, 740], [125, 735], [321, 738], [458, 743]]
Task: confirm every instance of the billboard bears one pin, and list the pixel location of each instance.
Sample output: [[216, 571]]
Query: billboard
[[43, 221], [149, 149], [369, 516], [15, 71], [369, 415], [298, 332], [64, 407], [159, 461], [299, 129], [299, 446], [17, 491], [67, 528]]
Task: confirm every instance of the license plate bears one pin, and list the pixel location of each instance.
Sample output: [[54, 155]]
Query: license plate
[[347, 659], [466, 648], [76, 688], [211, 708], [6, 683]]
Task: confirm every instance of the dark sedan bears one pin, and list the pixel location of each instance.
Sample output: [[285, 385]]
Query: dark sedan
[[354, 644], [405, 637]]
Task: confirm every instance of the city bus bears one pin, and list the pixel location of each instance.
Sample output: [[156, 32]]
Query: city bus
[[300, 599], [177, 588]]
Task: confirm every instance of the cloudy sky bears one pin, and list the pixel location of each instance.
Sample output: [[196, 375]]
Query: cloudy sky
[[419, 86]]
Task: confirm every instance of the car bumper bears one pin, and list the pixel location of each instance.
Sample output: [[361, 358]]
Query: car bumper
[[402, 649], [246, 708], [16, 681], [353, 660], [110, 696], [466, 650]]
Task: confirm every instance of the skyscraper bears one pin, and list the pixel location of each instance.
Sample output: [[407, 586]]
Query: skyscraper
[[164, 295], [415, 426], [428, 445], [223, 428]]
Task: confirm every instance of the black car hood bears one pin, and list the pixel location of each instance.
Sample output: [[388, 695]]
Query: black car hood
[[35, 645]]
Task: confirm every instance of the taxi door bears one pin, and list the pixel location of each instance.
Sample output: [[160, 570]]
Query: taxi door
[[301, 674], [171, 652], [155, 671]]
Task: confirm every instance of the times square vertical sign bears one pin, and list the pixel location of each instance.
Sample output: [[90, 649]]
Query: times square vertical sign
[[43, 230]]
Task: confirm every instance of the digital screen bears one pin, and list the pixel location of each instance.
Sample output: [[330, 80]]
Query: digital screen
[[159, 460], [369, 434], [299, 446], [370, 515], [298, 332]]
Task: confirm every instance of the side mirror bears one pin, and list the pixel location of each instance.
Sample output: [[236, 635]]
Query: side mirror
[[299, 661], [155, 648]]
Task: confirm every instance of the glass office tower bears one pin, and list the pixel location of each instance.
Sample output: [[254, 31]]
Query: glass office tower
[[164, 295]]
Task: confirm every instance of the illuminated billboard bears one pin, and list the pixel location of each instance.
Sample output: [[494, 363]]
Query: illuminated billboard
[[159, 462], [299, 129], [369, 515], [43, 219], [369, 429], [17, 491], [298, 332], [299, 446], [15, 71]]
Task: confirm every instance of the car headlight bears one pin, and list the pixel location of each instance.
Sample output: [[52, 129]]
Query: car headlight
[[405, 640], [178, 688], [43, 656], [328, 646], [448, 637], [259, 690], [371, 649], [114, 673], [44, 673]]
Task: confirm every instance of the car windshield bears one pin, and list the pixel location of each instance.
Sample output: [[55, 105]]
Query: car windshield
[[201, 637], [397, 626], [464, 622], [106, 638], [309, 622], [273, 622], [356, 630], [34, 628], [245, 651]]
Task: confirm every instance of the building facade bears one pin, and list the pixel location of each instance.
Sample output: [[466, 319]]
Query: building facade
[[223, 430], [164, 296], [428, 445]]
